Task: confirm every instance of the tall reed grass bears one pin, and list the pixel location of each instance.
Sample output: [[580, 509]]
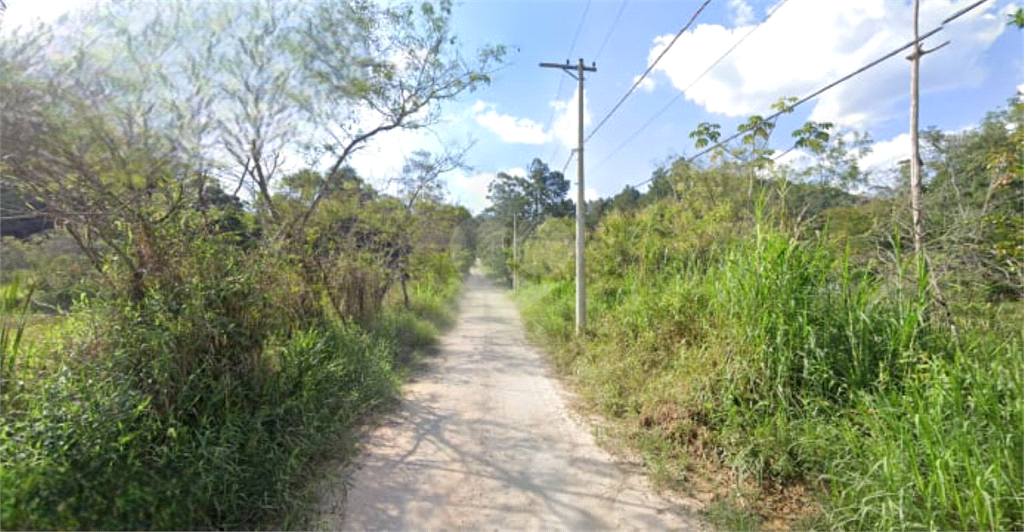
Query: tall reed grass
[[205, 405], [771, 355]]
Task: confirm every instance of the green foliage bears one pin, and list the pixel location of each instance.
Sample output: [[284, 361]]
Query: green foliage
[[93, 452], [215, 350], [774, 355], [61, 272], [203, 404], [549, 251], [525, 202], [975, 202], [1016, 18]]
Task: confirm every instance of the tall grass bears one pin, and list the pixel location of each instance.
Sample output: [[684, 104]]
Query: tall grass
[[14, 299], [771, 355], [205, 405], [91, 451]]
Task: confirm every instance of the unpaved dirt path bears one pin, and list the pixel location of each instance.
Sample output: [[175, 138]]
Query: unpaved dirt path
[[484, 441]]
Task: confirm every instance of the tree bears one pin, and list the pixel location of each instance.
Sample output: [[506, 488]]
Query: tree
[[976, 196], [123, 128], [422, 191], [525, 201], [542, 193], [626, 201], [374, 69]]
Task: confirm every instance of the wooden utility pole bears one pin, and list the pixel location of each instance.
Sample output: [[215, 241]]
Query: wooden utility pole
[[916, 211], [915, 148], [581, 205]]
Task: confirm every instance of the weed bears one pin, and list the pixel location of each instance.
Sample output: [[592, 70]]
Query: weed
[[770, 355]]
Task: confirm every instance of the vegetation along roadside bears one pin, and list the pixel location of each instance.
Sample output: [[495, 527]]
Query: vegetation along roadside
[[761, 332], [189, 324]]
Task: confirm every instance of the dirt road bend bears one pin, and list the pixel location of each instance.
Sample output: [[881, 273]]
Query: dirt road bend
[[484, 441]]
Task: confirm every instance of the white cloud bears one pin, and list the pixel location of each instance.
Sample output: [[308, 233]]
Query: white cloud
[[565, 127], [646, 85], [564, 123], [809, 43], [885, 154], [509, 128], [798, 159], [743, 14], [381, 159], [470, 190]]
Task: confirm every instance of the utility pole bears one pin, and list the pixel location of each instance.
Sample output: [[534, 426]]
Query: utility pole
[[581, 205], [916, 211], [916, 214], [515, 253]]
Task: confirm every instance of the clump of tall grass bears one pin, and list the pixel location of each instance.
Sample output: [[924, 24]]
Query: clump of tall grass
[[776, 357], [92, 452], [198, 405], [15, 301]]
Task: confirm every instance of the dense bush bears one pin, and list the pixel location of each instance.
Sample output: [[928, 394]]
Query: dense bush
[[202, 404], [764, 351]]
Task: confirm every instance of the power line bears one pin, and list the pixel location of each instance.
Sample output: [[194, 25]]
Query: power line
[[649, 69], [561, 80], [818, 92], [567, 161], [692, 83], [578, 28], [622, 7]]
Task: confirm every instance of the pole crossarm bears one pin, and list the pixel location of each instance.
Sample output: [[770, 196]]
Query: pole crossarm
[[569, 66]]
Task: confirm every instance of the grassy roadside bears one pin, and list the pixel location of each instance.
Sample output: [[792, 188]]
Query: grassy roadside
[[91, 439], [803, 391]]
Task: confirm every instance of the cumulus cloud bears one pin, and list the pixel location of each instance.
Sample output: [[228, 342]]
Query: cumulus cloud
[[809, 43], [470, 190], [382, 157], [886, 154], [564, 123], [647, 84], [509, 128], [742, 13], [565, 127]]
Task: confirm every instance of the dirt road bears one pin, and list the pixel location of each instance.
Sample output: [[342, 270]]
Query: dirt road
[[484, 441]]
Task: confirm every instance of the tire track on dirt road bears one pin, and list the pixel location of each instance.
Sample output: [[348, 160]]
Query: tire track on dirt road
[[484, 441]]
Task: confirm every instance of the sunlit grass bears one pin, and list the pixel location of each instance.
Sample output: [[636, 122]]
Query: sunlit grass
[[775, 358]]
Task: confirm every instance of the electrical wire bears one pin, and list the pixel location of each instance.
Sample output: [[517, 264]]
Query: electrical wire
[[565, 166], [578, 28], [772, 117], [691, 84], [561, 80], [622, 7], [648, 71]]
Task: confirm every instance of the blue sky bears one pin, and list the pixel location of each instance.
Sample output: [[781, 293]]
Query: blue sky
[[805, 45]]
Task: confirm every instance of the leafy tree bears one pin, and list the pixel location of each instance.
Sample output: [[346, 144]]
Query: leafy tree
[[627, 201], [976, 195], [374, 69], [1016, 18], [526, 201], [542, 193]]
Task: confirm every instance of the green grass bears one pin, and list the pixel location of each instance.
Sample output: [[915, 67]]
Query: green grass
[[205, 406], [776, 359]]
